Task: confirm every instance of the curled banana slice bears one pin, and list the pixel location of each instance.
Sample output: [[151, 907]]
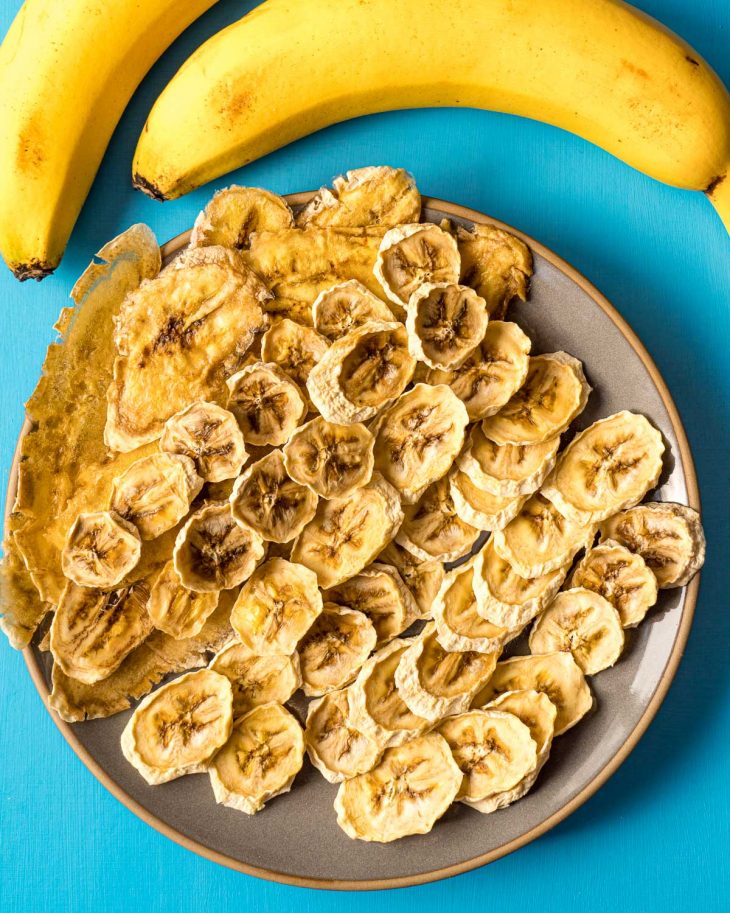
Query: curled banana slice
[[481, 509], [495, 263], [296, 349], [334, 648], [507, 470], [175, 609], [276, 607], [361, 372], [267, 499], [267, 404], [209, 435], [413, 254], [101, 548], [432, 529], [335, 747], [379, 592], [345, 307], [422, 578], [668, 536], [255, 679], [621, 577], [178, 728], [555, 391], [213, 551], [235, 213], [445, 323], [331, 460], [347, 533], [406, 793], [263, 755]]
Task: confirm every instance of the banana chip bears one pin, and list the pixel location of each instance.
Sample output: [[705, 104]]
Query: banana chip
[[345, 307], [296, 349], [267, 404], [495, 263], [227, 257], [621, 577], [413, 254], [379, 592], [445, 322], [101, 549], [507, 470], [334, 648], [432, 529], [210, 437], [235, 213], [335, 747], [255, 679], [481, 509], [422, 578], [331, 460], [175, 609]]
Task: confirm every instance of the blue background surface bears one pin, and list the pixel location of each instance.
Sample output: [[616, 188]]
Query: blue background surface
[[657, 835]]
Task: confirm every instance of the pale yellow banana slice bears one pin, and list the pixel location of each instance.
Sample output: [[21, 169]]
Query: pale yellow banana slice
[[267, 404], [235, 213], [227, 257], [270, 501], [413, 254], [422, 578], [432, 529], [175, 609], [478, 508], [101, 548], [178, 728], [255, 679], [213, 551], [347, 533], [445, 322], [263, 755], [668, 536], [495, 263], [555, 391], [335, 747], [296, 349], [344, 307], [209, 435], [379, 592], [507, 470], [621, 577], [361, 372], [276, 607], [331, 460], [334, 648]]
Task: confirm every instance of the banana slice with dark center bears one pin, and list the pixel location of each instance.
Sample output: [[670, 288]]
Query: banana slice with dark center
[[507, 470], [621, 577], [335, 747], [235, 213], [296, 349], [422, 578], [334, 648], [432, 529], [209, 435], [267, 404], [344, 307], [495, 263], [445, 322], [255, 679], [175, 609], [101, 548], [413, 254], [481, 509], [379, 592]]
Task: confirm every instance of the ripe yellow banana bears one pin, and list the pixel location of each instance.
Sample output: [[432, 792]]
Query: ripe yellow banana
[[67, 70], [598, 68]]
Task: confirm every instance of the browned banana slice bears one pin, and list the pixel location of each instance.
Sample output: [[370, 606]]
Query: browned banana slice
[[296, 349], [555, 391], [668, 536], [432, 529], [412, 254], [267, 404], [154, 493], [210, 436], [260, 760], [331, 460], [226, 257], [422, 578], [235, 213], [334, 648], [101, 548], [178, 728], [344, 307], [271, 502], [507, 470], [445, 322], [337, 749], [276, 607], [347, 533], [418, 438], [478, 508], [362, 372], [621, 577], [379, 592], [255, 679], [213, 551], [495, 263], [175, 609]]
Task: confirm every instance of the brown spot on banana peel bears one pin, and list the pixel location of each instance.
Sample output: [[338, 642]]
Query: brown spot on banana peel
[[33, 269], [146, 186], [695, 63], [714, 184]]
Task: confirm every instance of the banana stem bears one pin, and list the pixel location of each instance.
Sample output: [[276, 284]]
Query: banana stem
[[719, 195]]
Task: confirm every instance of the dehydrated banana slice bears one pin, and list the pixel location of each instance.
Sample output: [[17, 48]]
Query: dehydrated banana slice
[[668, 536], [331, 460], [583, 623], [175, 609], [178, 728], [434, 682], [432, 529], [337, 749], [555, 674], [209, 435], [481, 509], [267, 404], [492, 373], [418, 438], [101, 548], [413, 254], [226, 257], [154, 493], [344, 307], [92, 631], [213, 551], [379, 592], [255, 679], [276, 607], [347, 533], [540, 539], [334, 648], [361, 372], [606, 468], [376, 195], [235, 213], [507, 470], [445, 323], [504, 597], [260, 760], [555, 391], [272, 503], [495, 263], [422, 578], [296, 349], [621, 577]]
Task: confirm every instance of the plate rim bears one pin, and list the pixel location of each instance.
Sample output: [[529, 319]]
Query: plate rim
[[670, 670]]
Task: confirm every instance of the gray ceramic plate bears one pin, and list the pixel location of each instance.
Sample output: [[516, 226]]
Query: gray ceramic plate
[[296, 839]]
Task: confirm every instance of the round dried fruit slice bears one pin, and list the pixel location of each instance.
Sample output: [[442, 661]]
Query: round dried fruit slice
[[255, 679], [335, 747], [555, 391], [213, 551], [445, 323], [668, 536], [267, 404], [379, 592], [334, 648], [481, 509], [260, 760], [361, 372], [413, 254], [175, 609], [331, 460], [296, 349], [495, 263], [406, 793], [101, 548], [210, 436], [178, 728], [422, 578], [272, 503], [418, 438], [507, 470], [344, 307], [621, 577], [276, 607], [235, 213], [346, 534], [432, 529]]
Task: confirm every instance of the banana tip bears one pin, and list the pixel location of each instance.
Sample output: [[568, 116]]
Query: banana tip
[[152, 190], [33, 269]]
